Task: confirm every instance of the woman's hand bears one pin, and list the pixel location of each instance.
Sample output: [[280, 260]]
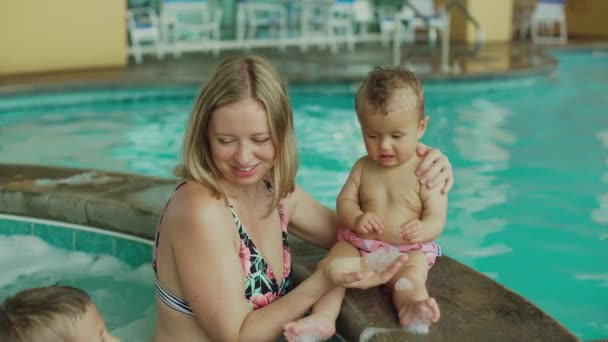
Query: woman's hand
[[434, 169], [351, 272]]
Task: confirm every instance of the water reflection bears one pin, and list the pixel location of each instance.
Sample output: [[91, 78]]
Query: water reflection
[[480, 136], [600, 214], [152, 145], [329, 142]]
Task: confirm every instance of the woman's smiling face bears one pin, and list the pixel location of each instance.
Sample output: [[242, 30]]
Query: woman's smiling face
[[241, 144]]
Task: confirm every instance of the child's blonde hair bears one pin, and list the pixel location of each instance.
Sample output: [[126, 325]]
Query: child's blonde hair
[[238, 78], [46, 314], [380, 85]]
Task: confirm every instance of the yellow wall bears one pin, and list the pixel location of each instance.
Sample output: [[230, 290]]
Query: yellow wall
[[494, 16], [587, 18], [47, 35]]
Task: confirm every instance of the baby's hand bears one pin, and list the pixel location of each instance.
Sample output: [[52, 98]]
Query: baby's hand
[[411, 231], [368, 223]]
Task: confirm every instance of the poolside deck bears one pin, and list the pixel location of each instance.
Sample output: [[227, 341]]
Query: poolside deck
[[316, 65]]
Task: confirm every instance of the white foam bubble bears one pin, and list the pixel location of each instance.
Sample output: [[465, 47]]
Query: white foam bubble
[[379, 260], [30, 256], [403, 284], [370, 332], [309, 338], [418, 328]]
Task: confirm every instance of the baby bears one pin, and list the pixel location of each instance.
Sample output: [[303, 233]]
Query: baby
[[384, 209], [52, 314]]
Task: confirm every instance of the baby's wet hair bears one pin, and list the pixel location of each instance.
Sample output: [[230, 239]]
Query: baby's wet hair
[[380, 85], [42, 314]]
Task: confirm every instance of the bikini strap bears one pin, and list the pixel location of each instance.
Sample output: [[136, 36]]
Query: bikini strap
[[157, 235]]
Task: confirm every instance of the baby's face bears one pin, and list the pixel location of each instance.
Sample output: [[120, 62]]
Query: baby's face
[[391, 139], [92, 328]]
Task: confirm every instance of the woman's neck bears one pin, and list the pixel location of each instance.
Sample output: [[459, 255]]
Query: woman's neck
[[245, 193]]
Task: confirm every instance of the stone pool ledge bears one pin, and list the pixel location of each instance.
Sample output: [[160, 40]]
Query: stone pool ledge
[[474, 307]]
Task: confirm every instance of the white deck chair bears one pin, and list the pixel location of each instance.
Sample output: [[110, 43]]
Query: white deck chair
[[387, 19], [424, 15], [340, 22], [144, 27], [254, 15], [522, 18], [546, 14], [314, 16], [364, 15], [191, 25]]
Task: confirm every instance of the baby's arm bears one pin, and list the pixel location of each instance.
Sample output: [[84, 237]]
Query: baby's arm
[[349, 207], [432, 220]]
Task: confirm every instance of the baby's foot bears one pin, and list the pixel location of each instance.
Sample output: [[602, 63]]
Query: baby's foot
[[417, 317], [313, 328]]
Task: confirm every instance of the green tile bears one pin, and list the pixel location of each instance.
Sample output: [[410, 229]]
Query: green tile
[[91, 242], [56, 236], [12, 227], [133, 253]]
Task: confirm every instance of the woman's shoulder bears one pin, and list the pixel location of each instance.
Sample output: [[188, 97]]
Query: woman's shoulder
[[193, 193], [193, 201]]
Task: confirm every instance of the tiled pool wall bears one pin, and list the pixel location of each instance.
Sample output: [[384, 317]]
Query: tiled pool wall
[[132, 250]]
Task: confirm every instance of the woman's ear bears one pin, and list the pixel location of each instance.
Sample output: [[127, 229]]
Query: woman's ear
[[422, 126]]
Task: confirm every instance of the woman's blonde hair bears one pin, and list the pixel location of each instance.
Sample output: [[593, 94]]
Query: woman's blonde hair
[[43, 314], [235, 79]]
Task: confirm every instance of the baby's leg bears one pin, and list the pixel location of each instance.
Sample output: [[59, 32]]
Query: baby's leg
[[320, 325], [417, 311]]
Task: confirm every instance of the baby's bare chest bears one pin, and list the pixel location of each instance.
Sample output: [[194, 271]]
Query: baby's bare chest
[[389, 190]]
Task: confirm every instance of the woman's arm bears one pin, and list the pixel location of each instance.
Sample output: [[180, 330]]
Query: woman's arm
[[310, 220], [434, 169], [211, 279]]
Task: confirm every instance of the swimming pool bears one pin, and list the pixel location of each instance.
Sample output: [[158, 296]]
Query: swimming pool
[[530, 206]]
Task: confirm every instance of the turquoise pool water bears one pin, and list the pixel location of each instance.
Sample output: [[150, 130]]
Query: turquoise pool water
[[115, 271], [530, 206]]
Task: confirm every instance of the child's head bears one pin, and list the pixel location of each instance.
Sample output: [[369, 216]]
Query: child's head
[[390, 108], [52, 314]]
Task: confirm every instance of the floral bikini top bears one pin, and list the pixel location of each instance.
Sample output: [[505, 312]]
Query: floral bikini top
[[261, 286]]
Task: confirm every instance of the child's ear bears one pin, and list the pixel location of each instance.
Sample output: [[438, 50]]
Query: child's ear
[[422, 126]]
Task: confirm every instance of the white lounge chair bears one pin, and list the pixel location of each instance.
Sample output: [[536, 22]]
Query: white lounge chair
[[387, 19], [422, 14], [340, 22], [546, 15], [522, 18], [191, 25], [144, 28], [314, 16], [252, 15]]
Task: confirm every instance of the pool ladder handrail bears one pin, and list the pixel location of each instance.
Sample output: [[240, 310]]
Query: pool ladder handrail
[[445, 43], [399, 19]]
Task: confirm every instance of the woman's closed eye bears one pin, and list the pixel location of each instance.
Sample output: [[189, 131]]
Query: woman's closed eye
[[225, 141], [260, 140]]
